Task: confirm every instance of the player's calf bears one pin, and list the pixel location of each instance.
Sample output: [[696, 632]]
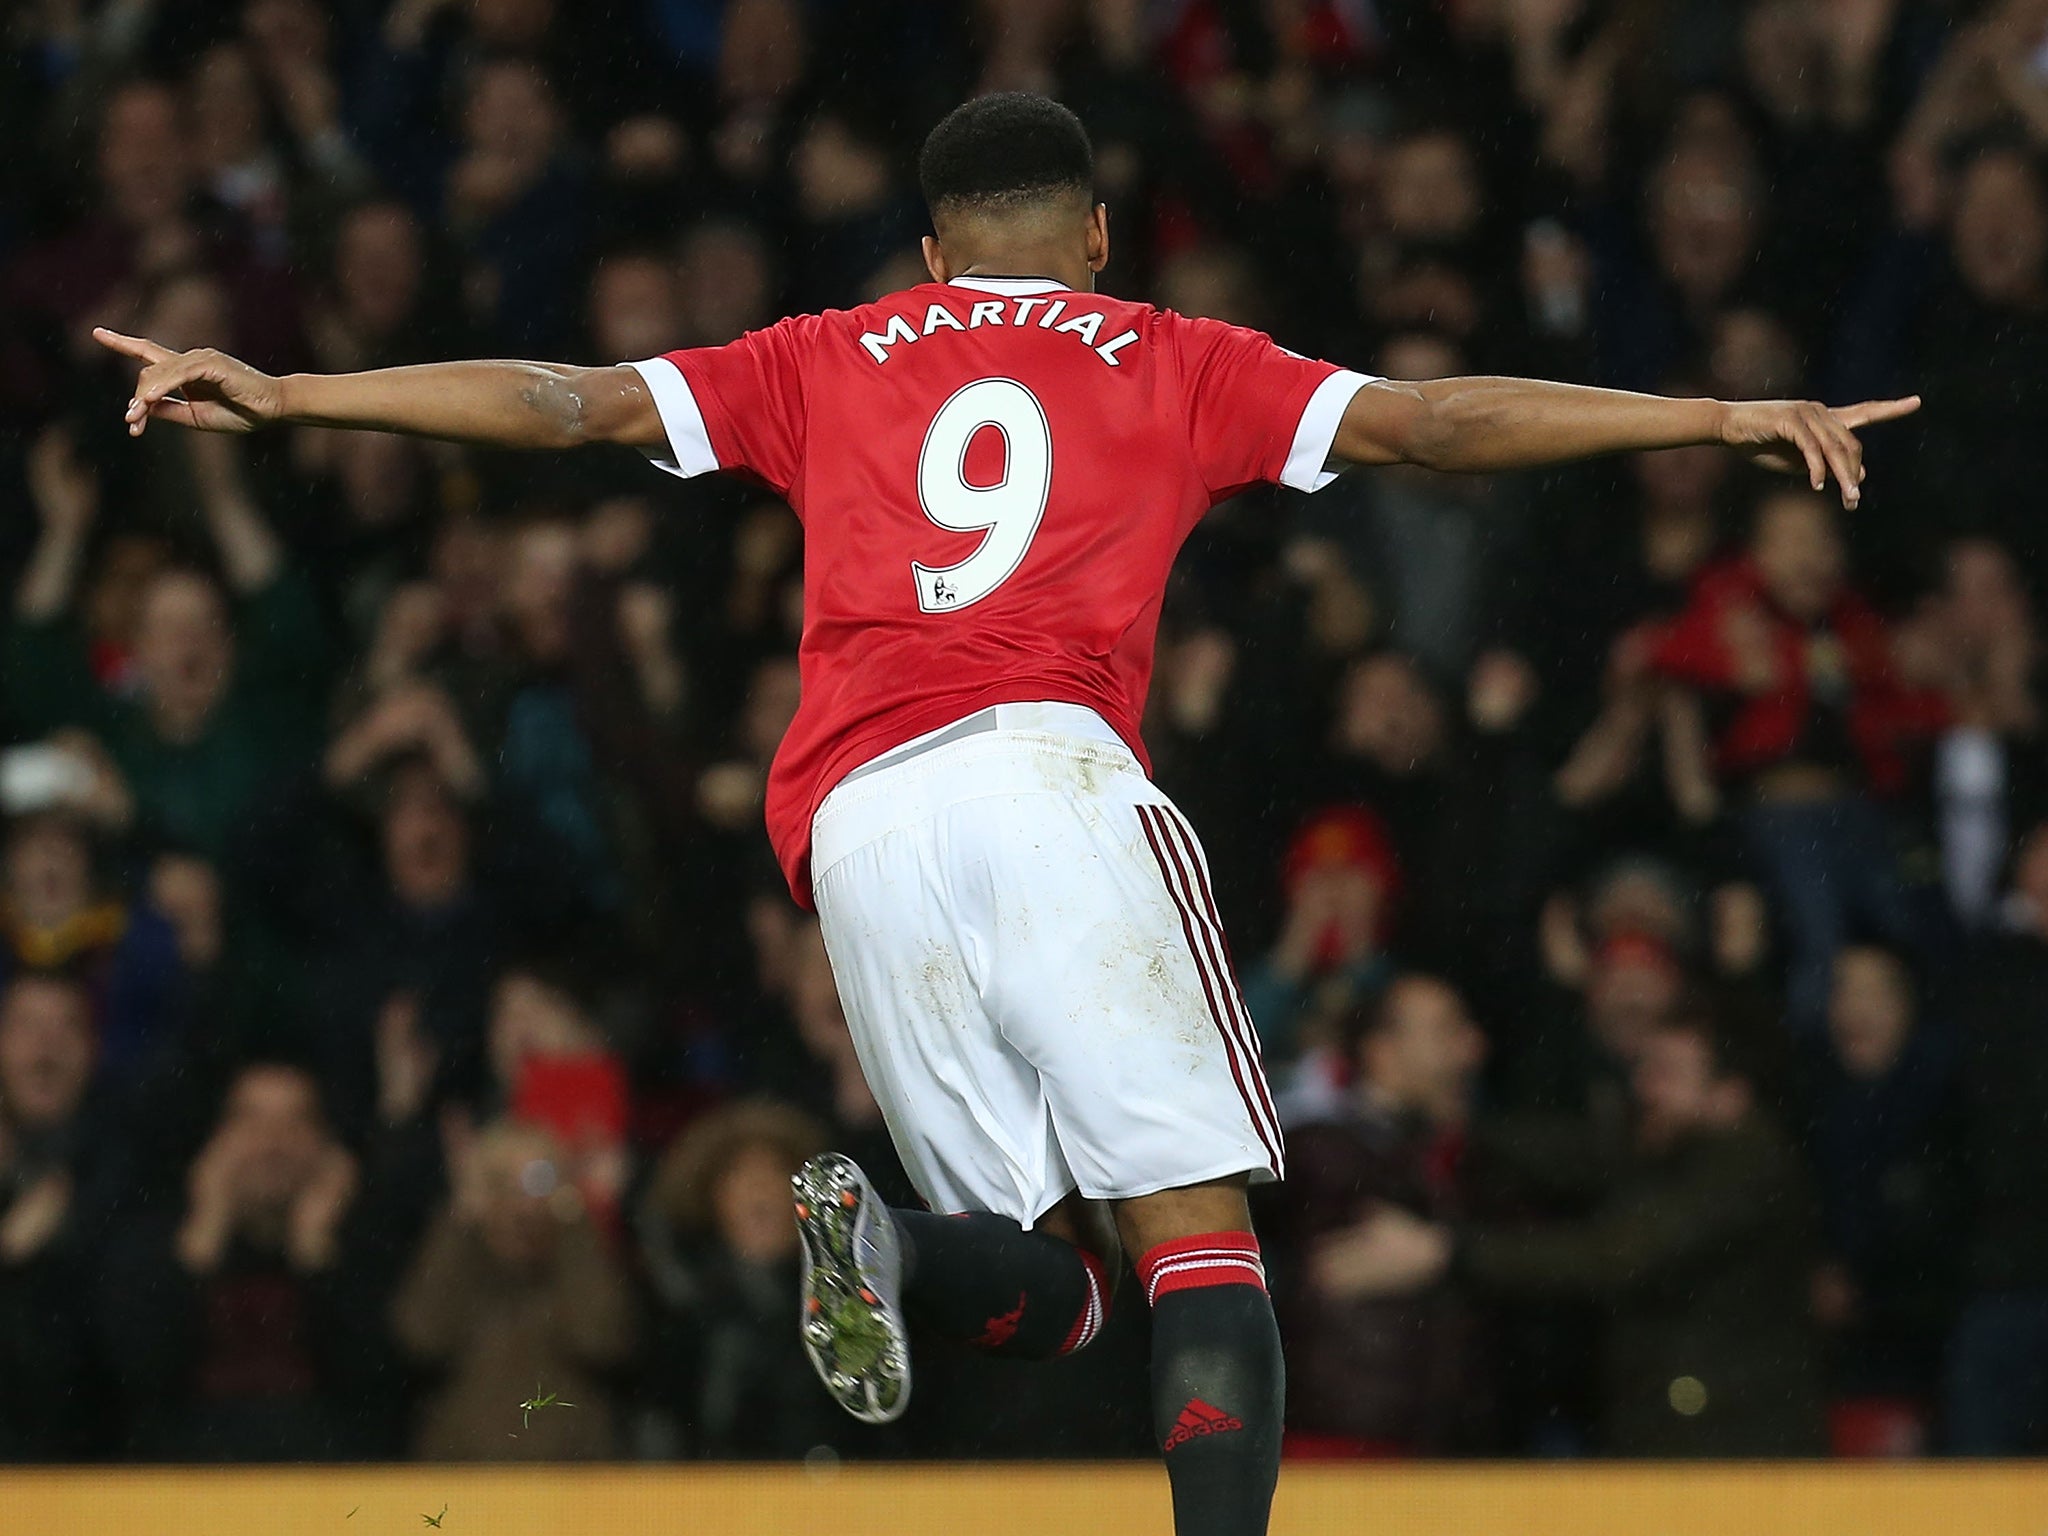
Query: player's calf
[[985, 1281], [1218, 1383]]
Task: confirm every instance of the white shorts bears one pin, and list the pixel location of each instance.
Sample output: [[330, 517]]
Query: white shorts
[[1033, 970]]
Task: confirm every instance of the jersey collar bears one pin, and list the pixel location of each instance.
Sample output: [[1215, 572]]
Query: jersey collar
[[1009, 286]]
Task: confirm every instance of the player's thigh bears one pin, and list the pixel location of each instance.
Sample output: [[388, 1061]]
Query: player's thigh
[[1111, 977], [964, 1108]]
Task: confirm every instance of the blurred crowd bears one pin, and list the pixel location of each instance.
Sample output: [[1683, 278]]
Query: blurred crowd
[[1638, 873]]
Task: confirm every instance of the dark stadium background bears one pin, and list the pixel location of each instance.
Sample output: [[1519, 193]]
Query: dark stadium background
[[401, 1019]]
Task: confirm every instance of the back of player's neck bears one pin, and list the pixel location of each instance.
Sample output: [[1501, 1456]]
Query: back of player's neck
[[1026, 268]]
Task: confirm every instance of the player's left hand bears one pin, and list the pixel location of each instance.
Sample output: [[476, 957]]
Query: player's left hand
[[1789, 436]]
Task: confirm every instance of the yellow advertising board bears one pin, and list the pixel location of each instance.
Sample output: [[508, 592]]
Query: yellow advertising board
[[1924, 1499]]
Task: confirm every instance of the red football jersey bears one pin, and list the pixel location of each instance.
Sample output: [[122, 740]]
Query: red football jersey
[[994, 476]]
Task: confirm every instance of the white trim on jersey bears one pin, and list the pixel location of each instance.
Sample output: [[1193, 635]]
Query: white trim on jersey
[[689, 445], [1010, 287], [1308, 461]]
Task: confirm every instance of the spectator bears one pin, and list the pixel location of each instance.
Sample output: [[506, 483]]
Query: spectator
[[514, 200], [1375, 1374], [1641, 570], [852, 213], [1215, 283], [1704, 217], [1883, 1139], [451, 880], [376, 307], [1696, 1248], [59, 1175], [635, 307], [545, 752], [446, 625], [236, 1326], [65, 491], [143, 228], [1754, 356], [1342, 883], [1816, 734], [1823, 92], [214, 723], [1983, 321], [1426, 268], [1975, 639], [727, 1373], [1639, 773], [1996, 1402], [234, 157], [648, 159], [1454, 794], [425, 52], [291, 52], [634, 698], [727, 281], [515, 1297], [551, 1068], [1614, 974], [1390, 751], [1436, 543], [366, 518], [54, 914]]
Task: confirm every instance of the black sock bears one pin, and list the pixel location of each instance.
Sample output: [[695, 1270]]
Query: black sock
[[985, 1281], [1218, 1383]]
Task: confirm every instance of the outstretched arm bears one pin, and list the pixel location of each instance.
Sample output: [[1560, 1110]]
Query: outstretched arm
[[1481, 425], [497, 404]]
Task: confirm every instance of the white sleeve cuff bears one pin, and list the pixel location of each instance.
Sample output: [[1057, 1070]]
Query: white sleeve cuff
[[689, 445], [1308, 461]]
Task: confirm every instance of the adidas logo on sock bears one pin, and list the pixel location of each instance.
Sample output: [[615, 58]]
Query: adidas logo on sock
[[1200, 1418]]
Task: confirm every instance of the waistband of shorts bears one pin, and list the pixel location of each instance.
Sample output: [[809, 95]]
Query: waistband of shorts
[[998, 751], [1047, 719]]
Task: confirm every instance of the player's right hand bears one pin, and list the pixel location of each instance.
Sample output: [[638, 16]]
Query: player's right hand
[[204, 389]]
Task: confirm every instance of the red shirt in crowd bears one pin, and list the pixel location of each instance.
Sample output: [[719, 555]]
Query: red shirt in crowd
[[994, 476], [1840, 665]]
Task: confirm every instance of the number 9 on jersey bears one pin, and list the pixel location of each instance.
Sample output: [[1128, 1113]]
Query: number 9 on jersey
[[1008, 511]]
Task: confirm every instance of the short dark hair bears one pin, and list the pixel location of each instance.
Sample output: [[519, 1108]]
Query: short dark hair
[[1373, 1016], [564, 970], [1004, 151]]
